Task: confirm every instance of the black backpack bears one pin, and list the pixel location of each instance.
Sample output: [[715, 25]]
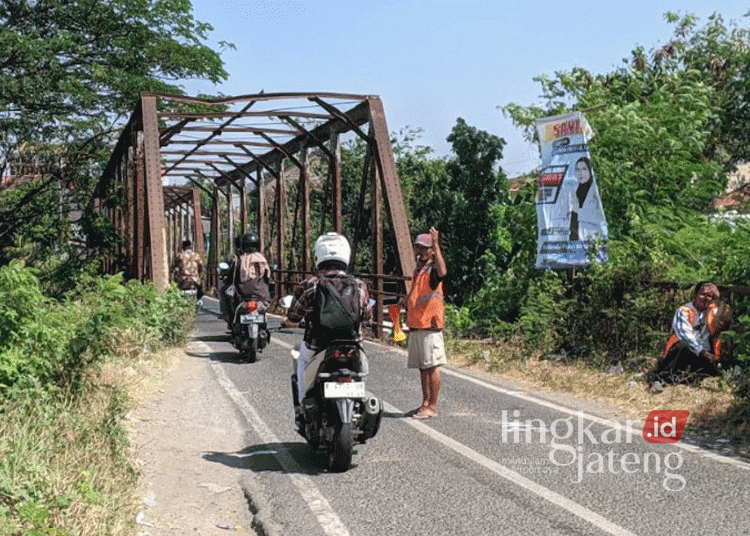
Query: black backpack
[[336, 311]]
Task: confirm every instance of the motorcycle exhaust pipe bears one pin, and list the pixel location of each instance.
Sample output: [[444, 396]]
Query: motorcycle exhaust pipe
[[372, 417], [373, 406]]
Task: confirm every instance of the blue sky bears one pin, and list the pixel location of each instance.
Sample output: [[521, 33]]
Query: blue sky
[[433, 61]]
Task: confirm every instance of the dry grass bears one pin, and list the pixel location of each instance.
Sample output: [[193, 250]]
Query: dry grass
[[713, 410], [140, 375], [66, 468]]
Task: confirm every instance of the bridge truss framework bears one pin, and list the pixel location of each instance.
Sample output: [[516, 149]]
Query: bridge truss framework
[[175, 147]]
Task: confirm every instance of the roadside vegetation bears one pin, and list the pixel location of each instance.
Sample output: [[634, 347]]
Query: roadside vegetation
[[65, 462], [71, 342], [668, 139]]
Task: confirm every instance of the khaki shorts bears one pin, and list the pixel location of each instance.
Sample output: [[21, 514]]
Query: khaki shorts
[[426, 349]]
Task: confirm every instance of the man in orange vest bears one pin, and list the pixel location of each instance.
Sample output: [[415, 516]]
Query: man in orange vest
[[425, 317], [692, 345]]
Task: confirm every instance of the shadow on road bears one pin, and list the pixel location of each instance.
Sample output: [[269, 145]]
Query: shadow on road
[[212, 338], [228, 357], [265, 458]]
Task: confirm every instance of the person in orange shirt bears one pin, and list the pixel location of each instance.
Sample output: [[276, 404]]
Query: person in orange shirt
[[425, 318]]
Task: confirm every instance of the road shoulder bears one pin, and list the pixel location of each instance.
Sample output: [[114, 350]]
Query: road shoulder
[[184, 437]]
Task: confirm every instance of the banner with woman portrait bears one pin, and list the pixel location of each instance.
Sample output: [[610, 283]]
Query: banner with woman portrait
[[571, 228]]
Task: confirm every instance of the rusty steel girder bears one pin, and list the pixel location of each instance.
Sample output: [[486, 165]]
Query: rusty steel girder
[[259, 148]]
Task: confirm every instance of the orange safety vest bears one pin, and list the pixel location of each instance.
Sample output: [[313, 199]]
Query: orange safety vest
[[714, 338], [424, 306]]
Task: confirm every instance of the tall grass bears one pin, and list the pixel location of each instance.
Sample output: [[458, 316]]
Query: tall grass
[[65, 467], [64, 456]]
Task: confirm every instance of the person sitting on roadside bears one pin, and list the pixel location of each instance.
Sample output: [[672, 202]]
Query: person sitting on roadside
[[694, 345]]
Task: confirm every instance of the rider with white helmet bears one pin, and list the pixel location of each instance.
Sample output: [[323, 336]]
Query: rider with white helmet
[[332, 255], [332, 247]]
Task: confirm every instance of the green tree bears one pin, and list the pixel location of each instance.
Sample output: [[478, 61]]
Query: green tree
[[721, 54], [459, 196], [669, 122], [414, 167], [666, 131], [70, 73]]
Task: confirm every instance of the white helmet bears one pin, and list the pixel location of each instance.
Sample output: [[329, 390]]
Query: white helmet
[[332, 247]]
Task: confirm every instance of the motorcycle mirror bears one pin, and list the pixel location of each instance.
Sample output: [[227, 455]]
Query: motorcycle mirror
[[223, 266], [286, 301]]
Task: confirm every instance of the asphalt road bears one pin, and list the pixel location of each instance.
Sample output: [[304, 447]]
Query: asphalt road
[[497, 460]]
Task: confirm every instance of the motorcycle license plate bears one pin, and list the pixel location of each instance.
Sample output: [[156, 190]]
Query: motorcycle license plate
[[249, 319], [344, 390]]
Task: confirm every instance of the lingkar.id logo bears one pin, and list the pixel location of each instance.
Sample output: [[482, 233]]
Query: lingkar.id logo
[[575, 444], [665, 426]]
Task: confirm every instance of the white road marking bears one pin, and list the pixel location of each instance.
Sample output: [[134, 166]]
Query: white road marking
[[611, 423], [510, 475], [282, 343], [553, 497], [529, 485], [315, 500]]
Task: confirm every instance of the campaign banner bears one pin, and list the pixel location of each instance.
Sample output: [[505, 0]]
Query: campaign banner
[[570, 218]]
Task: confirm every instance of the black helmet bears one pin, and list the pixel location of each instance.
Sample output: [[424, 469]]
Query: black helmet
[[250, 242]]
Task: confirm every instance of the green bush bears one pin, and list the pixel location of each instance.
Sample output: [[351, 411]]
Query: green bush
[[34, 333], [620, 311], [21, 302], [54, 343], [616, 313], [543, 315]]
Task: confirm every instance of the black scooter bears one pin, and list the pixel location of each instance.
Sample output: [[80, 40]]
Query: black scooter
[[336, 410], [250, 333]]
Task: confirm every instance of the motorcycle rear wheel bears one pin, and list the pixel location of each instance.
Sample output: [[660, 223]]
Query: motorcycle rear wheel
[[340, 454], [251, 355]]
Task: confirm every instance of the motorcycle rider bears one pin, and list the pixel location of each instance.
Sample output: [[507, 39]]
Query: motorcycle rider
[[252, 274], [332, 254], [187, 269], [225, 299]]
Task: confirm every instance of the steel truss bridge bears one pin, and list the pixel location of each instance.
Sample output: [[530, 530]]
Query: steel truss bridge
[[264, 155]]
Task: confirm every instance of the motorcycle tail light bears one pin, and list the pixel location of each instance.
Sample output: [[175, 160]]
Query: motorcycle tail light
[[251, 306], [338, 358], [343, 355], [345, 379]]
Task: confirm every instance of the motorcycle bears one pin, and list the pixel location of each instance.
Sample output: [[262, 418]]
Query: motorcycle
[[250, 333], [189, 291], [336, 410]]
